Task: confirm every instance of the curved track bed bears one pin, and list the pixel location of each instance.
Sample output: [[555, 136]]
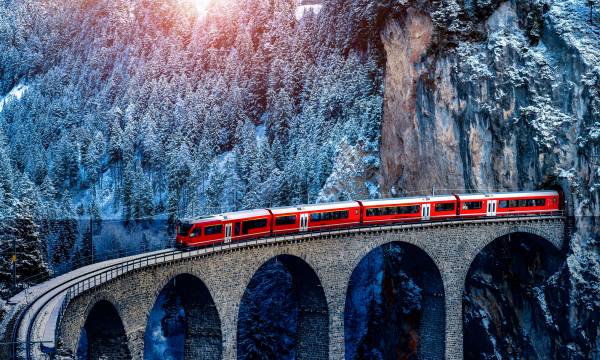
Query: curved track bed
[[43, 301]]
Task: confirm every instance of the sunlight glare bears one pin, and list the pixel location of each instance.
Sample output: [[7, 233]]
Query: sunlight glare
[[201, 5]]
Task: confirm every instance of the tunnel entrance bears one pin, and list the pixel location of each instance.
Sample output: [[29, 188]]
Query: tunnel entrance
[[395, 306], [505, 309], [184, 322], [283, 313], [103, 335]]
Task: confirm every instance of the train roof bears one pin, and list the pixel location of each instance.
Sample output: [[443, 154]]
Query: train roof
[[407, 200], [507, 195], [235, 215], [245, 214], [314, 207]]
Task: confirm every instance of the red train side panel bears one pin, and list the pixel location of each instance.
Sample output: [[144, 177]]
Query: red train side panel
[[333, 216], [244, 225], [386, 211], [315, 217]]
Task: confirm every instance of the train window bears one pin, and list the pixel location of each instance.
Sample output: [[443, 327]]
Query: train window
[[394, 210], [253, 224], [503, 204], [196, 232], [472, 205], [530, 202], [236, 228], [411, 209], [329, 216], [513, 203], [540, 202], [444, 207], [213, 229], [373, 211], [285, 220], [183, 229]]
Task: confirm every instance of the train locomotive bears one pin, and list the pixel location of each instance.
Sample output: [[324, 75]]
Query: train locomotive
[[259, 223]]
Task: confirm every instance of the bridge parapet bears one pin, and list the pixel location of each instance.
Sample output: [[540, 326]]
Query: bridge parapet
[[227, 270]]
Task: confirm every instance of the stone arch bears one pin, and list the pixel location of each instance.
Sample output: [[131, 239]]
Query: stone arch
[[199, 323], [418, 269], [503, 286], [309, 313], [555, 239], [104, 332]]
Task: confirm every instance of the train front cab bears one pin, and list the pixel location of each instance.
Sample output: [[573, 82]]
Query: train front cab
[[202, 232], [225, 228]]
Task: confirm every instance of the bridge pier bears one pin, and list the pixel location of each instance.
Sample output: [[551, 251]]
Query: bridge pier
[[136, 344], [335, 284], [229, 324], [454, 283]]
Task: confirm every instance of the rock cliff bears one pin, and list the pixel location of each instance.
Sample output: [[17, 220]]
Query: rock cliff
[[503, 95]]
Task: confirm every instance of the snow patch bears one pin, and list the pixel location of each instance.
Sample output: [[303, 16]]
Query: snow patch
[[547, 121], [485, 321], [15, 94], [303, 10], [261, 134], [541, 298]]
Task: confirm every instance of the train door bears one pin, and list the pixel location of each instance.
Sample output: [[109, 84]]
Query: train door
[[426, 211], [491, 207], [228, 233], [303, 222]]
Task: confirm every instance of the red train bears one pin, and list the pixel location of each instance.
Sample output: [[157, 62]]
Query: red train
[[243, 225]]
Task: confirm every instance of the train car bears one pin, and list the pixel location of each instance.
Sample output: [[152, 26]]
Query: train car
[[301, 218], [224, 228], [513, 203], [243, 225], [384, 211]]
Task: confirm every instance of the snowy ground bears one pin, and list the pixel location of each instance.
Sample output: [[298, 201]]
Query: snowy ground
[[15, 94]]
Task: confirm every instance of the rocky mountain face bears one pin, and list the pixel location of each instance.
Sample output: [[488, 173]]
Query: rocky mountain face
[[503, 95]]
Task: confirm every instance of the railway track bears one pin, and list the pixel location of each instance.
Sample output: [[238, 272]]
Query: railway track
[[30, 313]]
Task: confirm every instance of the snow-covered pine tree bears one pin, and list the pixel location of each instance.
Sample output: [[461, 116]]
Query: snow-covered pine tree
[[7, 219], [67, 233], [31, 262], [144, 197], [65, 171], [214, 193], [93, 158], [129, 179], [84, 254]]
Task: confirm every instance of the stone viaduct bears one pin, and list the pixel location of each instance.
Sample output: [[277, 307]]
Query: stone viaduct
[[321, 267]]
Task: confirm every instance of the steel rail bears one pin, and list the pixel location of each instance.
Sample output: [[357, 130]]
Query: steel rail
[[22, 313], [118, 269]]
